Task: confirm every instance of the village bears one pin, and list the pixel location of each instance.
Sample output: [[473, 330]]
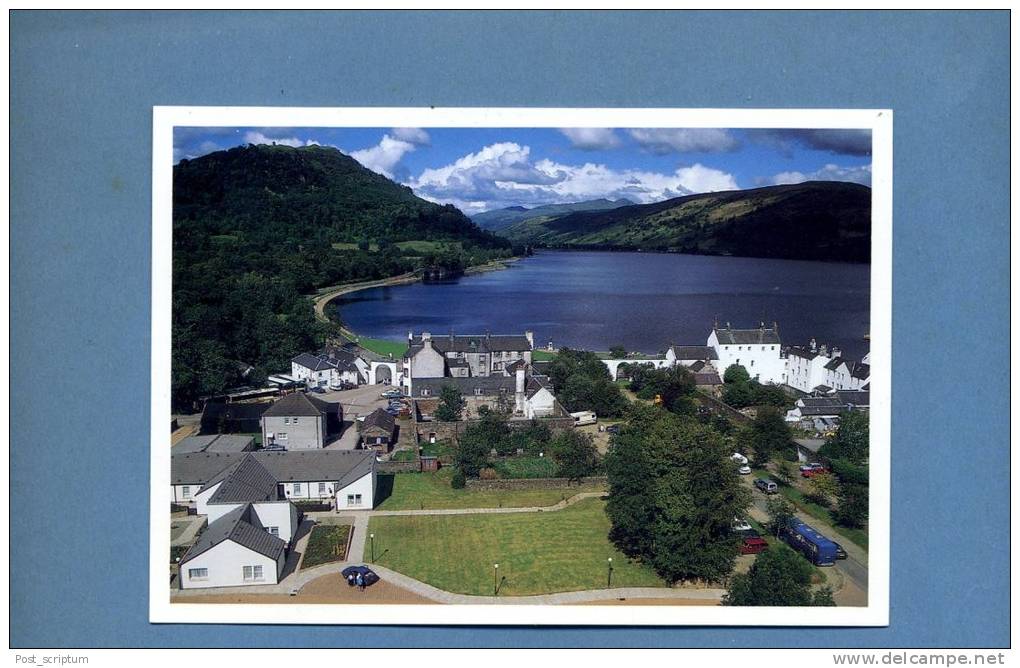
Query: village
[[275, 490]]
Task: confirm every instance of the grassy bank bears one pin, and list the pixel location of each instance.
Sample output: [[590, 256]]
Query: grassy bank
[[410, 491]]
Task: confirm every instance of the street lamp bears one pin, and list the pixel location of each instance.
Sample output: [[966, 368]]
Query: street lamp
[[371, 538], [495, 585], [609, 578]]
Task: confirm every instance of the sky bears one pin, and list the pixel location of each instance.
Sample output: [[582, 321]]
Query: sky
[[481, 169]]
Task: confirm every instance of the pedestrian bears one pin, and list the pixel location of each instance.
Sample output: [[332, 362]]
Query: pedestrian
[[350, 580], [361, 582]]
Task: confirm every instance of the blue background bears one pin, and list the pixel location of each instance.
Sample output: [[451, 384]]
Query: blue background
[[82, 91]]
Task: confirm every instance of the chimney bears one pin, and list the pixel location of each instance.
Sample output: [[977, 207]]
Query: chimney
[[814, 345], [410, 335], [530, 336], [836, 352], [519, 390], [426, 339]]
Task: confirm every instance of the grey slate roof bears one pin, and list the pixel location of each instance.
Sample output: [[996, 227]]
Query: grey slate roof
[[857, 398], [801, 351], [810, 444], [214, 443], [707, 378], [472, 343], [861, 371], [834, 363], [295, 465], [762, 335], [695, 352], [313, 362], [379, 419], [301, 405], [248, 480], [242, 526]]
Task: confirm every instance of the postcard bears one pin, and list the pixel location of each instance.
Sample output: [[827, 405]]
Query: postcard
[[521, 366]]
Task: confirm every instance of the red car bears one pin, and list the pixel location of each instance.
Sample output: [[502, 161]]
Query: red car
[[812, 469], [753, 545]]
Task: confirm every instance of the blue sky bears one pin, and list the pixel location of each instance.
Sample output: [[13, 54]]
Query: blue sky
[[479, 169]]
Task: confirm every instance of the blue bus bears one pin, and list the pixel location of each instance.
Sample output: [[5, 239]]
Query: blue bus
[[818, 549]]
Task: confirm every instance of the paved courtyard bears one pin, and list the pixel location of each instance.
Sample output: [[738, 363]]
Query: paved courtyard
[[357, 402]]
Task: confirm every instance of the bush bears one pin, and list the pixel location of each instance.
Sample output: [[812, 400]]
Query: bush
[[176, 552], [526, 467], [487, 474], [458, 481]]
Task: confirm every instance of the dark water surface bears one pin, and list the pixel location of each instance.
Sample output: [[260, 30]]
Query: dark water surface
[[643, 301]]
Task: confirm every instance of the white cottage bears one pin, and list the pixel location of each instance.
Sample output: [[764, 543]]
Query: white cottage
[[236, 549]]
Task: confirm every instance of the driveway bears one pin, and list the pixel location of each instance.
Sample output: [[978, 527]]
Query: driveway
[[356, 403]]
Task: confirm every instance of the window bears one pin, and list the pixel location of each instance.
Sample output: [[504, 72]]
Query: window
[[252, 573], [186, 492], [478, 391], [425, 392], [282, 435], [353, 499], [740, 347], [322, 488], [295, 419], [198, 573], [274, 531], [752, 362], [286, 420], [297, 488]]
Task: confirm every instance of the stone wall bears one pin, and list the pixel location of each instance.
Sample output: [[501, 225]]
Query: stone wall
[[534, 483], [397, 467], [724, 408]]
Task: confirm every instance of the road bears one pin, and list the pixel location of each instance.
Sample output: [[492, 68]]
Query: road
[[357, 402], [854, 567]]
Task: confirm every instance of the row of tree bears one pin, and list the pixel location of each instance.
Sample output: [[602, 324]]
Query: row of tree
[[582, 383]]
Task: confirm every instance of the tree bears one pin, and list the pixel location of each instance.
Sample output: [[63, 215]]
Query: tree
[[618, 352], [851, 440], [853, 505], [823, 488], [779, 576], [738, 395], [673, 495], [769, 434], [451, 404], [575, 455], [735, 373], [780, 512], [786, 471], [472, 453]]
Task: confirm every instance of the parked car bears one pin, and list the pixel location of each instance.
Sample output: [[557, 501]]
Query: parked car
[[840, 552], [368, 576], [748, 533], [753, 545], [317, 390], [740, 524], [813, 471], [744, 470], [613, 429], [738, 458], [813, 466], [766, 485], [391, 394]]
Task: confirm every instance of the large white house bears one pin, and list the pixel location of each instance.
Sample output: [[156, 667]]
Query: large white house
[[463, 356], [757, 350], [333, 368], [236, 549]]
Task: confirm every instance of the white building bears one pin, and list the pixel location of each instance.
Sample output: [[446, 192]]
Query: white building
[[463, 355], [236, 549], [332, 369], [321, 475], [757, 350]]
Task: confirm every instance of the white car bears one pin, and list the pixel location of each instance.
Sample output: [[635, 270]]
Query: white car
[[738, 458], [744, 470], [740, 525]]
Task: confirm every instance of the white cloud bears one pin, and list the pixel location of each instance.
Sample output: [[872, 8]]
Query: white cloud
[[384, 156], [830, 172], [504, 174], [415, 136], [684, 140], [591, 139], [700, 179], [256, 137]]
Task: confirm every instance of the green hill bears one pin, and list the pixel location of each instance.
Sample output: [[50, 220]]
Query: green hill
[[499, 219], [258, 228], [817, 220]]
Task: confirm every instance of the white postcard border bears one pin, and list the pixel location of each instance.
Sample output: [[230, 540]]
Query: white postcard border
[[876, 613]]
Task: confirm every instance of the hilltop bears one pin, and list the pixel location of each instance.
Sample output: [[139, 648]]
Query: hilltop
[[816, 220], [259, 228], [499, 219]]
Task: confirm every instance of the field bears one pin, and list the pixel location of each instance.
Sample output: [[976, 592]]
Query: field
[[409, 491], [537, 553], [383, 347]]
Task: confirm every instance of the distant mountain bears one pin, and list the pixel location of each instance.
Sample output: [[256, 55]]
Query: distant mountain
[[499, 219], [816, 220]]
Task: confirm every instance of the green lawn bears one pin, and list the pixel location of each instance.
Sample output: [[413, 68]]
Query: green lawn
[[542, 355], [408, 491], [526, 467], [537, 553], [383, 347], [327, 542], [424, 247]]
